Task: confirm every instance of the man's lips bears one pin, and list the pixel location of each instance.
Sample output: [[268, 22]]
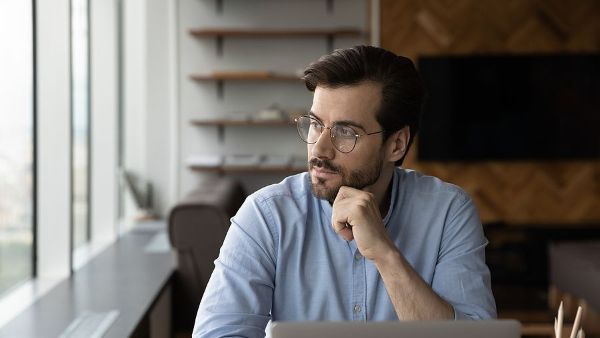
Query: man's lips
[[323, 172]]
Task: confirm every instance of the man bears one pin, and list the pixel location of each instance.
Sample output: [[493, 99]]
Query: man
[[355, 238]]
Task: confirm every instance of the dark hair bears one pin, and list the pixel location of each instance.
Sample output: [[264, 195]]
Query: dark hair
[[402, 91]]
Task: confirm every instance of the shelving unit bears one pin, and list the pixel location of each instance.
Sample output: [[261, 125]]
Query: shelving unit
[[260, 66]]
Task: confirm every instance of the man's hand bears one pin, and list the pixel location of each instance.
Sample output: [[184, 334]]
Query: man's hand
[[356, 216], [412, 298]]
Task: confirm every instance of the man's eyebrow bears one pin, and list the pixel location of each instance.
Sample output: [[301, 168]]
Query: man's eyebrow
[[342, 122], [350, 124], [315, 116]]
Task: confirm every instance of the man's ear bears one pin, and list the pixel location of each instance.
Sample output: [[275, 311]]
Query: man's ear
[[398, 144]]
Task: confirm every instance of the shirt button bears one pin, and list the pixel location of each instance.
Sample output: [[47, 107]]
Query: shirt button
[[358, 256], [357, 308]]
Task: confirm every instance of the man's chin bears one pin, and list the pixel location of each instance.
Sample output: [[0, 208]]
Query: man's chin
[[321, 191]]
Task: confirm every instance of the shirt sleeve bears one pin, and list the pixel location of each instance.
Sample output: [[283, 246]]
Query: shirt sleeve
[[238, 297], [461, 276]]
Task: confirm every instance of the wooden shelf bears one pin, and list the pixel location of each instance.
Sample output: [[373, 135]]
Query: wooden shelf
[[252, 76], [274, 33], [221, 33], [225, 122], [248, 169], [244, 76]]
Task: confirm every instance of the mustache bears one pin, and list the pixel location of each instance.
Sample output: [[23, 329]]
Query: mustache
[[323, 164]]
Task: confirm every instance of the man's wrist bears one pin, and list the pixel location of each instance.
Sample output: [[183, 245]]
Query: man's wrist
[[389, 257]]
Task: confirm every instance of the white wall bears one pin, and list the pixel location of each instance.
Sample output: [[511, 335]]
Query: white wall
[[104, 122], [134, 93], [161, 114], [149, 98], [53, 138]]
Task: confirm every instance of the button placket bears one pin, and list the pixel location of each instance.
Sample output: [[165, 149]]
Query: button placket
[[358, 286]]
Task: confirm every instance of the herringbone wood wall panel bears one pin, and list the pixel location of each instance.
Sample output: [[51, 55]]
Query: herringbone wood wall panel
[[515, 192]]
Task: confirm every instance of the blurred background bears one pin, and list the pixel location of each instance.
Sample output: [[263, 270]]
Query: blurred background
[[138, 125]]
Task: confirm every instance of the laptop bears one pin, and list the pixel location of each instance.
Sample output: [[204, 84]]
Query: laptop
[[412, 329]]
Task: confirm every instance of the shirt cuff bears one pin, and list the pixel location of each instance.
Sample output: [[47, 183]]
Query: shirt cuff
[[459, 315]]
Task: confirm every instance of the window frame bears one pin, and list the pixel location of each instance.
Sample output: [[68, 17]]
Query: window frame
[[88, 140]]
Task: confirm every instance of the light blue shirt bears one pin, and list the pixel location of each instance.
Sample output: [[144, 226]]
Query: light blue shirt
[[282, 260]]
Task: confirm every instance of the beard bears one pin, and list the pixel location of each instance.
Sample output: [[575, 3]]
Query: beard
[[357, 178]]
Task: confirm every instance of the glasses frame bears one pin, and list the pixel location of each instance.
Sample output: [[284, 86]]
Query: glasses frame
[[331, 137]]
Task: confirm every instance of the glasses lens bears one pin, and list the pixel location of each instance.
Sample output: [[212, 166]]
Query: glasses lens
[[309, 129], [344, 138]]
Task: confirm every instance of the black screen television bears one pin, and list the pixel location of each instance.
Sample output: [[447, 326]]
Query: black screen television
[[510, 107]]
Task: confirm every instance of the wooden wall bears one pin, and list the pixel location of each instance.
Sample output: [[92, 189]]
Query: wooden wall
[[515, 192]]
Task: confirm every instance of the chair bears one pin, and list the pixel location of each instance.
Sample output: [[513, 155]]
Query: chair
[[197, 227]]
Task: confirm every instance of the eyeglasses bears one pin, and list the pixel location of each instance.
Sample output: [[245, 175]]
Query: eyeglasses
[[343, 137]]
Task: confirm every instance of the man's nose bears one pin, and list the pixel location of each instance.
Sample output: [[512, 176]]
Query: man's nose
[[323, 148]]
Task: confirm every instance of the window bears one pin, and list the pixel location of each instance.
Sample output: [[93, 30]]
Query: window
[[80, 124], [16, 143]]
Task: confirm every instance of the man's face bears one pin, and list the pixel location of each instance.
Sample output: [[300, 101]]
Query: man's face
[[329, 168]]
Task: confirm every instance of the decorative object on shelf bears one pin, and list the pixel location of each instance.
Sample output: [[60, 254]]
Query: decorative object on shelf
[[273, 112], [272, 116], [242, 160], [276, 161], [141, 192], [205, 160]]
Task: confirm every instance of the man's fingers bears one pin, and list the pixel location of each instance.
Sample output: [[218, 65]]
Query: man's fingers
[[343, 229], [345, 192], [346, 233], [350, 203], [338, 226]]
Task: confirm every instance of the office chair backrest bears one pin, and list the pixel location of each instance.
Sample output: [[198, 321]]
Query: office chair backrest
[[197, 228]]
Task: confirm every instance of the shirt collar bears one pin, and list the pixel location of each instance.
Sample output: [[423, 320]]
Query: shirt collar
[[327, 209]]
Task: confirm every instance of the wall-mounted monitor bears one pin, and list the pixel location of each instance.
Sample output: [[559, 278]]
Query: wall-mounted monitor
[[510, 107]]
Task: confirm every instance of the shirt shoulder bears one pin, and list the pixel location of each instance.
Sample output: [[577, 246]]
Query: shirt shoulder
[[294, 188], [416, 183]]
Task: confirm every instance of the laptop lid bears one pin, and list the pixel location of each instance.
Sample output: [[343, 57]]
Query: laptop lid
[[412, 329]]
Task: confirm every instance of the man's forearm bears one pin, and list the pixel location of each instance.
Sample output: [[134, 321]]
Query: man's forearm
[[413, 299]]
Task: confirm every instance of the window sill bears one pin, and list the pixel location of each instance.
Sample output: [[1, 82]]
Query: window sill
[[129, 276], [20, 298]]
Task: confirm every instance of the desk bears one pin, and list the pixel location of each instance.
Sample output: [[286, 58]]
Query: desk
[[575, 269], [574, 279], [123, 277]]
